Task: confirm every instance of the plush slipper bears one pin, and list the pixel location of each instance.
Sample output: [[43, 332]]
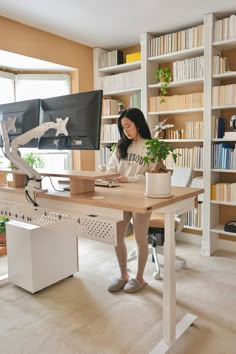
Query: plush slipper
[[133, 286], [116, 285]]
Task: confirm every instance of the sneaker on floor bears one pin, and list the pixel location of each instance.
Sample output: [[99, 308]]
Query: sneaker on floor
[[133, 286], [116, 285]]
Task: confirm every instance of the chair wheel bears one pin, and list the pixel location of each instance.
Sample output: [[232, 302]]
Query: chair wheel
[[156, 275]]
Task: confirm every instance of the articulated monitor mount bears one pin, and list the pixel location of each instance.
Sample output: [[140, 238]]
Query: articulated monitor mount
[[34, 179]]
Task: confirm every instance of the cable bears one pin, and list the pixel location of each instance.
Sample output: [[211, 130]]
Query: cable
[[57, 190], [29, 199]]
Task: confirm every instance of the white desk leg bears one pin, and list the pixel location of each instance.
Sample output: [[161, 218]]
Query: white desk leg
[[169, 289], [171, 331]]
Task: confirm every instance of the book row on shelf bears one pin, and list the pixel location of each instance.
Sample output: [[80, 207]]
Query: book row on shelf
[[110, 107], [113, 107], [195, 216], [110, 132], [224, 192], [225, 28], [218, 127], [110, 58], [122, 81], [224, 95], [224, 156], [187, 157], [105, 154], [193, 130], [168, 43], [220, 65], [187, 101], [188, 69]]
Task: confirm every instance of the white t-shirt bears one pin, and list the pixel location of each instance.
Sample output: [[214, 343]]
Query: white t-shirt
[[133, 166]]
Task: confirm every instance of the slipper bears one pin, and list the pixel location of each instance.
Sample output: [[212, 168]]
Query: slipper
[[116, 284], [133, 286]]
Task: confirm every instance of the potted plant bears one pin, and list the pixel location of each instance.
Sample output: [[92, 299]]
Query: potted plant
[[3, 250], [34, 160], [158, 179], [164, 76]]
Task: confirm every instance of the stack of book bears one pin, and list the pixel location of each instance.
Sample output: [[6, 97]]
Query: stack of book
[[112, 58]]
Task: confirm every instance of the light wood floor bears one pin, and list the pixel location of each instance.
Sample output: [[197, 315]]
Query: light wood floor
[[78, 314]]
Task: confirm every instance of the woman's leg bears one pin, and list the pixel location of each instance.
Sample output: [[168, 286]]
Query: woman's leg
[[141, 224], [120, 249]]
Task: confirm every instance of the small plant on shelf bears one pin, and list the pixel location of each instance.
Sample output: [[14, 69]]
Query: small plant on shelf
[[164, 76]]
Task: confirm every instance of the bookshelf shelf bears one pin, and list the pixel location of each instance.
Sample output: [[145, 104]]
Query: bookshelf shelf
[[193, 141], [178, 55], [223, 140], [177, 111], [222, 203], [109, 142], [220, 229], [226, 75], [225, 44], [121, 68], [223, 170], [110, 117], [122, 92], [179, 83], [186, 227], [226, 106]]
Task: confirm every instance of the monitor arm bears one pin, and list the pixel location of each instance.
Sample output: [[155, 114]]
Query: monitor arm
[[11, 149]]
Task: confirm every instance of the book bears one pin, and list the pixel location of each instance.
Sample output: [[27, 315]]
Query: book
[[221, 128]]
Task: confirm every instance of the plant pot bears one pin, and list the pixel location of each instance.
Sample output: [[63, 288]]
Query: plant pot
[[3, 239], [158, 185]]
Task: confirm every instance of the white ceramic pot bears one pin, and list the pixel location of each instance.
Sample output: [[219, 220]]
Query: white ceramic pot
[[158, 185]]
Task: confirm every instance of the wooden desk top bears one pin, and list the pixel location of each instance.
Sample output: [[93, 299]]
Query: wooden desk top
[[88, 175], [129, 197]]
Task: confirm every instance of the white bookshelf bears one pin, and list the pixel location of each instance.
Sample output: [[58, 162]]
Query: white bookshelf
[[212, 226]]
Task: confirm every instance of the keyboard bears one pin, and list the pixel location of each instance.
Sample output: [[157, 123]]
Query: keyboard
[[104, 183]]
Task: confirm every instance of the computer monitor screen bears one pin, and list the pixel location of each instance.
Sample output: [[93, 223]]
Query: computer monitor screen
[[84, 111], [27, 117]]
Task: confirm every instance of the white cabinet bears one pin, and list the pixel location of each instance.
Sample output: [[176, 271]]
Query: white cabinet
[[38, 257]]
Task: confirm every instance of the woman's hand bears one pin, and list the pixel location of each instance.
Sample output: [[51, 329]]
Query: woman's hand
[[122, 179]]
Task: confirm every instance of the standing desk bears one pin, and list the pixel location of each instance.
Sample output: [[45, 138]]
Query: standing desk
[[130, 197]]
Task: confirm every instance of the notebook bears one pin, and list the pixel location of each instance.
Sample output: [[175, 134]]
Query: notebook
[[104, 183]]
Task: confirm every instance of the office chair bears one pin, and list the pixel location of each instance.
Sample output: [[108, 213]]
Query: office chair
[[181, 177]]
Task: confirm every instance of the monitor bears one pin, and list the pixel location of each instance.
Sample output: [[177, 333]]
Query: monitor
[[27, 118], [84, 111]]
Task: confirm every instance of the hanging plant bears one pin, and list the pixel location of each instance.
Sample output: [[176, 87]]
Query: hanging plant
[[164, 76]]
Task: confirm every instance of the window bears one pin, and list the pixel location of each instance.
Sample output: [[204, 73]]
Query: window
[[7, 89], [29, 86]]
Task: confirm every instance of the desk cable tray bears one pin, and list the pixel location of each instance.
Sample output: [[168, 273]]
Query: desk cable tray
[[94, 227]]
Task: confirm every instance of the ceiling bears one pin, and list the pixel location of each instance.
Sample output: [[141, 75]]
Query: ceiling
[[111, 24]]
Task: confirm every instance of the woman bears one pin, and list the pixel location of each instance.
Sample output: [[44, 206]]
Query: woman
[[128, 160]]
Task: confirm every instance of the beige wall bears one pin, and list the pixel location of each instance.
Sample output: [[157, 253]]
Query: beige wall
[[21, 39]]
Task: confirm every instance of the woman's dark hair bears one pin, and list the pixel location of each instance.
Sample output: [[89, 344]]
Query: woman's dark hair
[[137, 117]]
